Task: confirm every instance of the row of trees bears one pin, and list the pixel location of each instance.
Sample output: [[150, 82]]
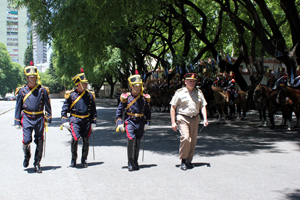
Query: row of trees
[[113, 38], [10, 72]]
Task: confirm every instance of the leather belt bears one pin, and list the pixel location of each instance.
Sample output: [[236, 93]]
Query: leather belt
[[136, 114], [33, 113], [190, 116], [80, 116]]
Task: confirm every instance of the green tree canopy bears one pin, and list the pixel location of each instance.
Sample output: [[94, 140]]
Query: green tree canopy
[[10, 72]]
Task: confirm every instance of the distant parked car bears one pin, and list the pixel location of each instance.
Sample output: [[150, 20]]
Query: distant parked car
[[11, 98]]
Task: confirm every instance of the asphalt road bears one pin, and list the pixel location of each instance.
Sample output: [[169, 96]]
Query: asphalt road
[[246, 162]]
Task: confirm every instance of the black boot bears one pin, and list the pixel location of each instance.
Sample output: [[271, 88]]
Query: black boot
[[85, 151], [136, 147], [27, 154], [38, 156], [190, 165], [130, 153], [183, 165], [74, 146]]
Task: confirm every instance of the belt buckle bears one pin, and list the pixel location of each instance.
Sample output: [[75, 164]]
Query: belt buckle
[[33, 113], [136, 115]]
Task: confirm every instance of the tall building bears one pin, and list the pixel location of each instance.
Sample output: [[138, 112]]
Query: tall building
[[15, 34], [13, 30], [39, 48]]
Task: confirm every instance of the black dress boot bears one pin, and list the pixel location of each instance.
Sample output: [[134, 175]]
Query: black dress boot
[[74, 146], [27, 154], [85, 151], [38, 156], [183, 165], [190, 165], [130, 154], [136, 146]]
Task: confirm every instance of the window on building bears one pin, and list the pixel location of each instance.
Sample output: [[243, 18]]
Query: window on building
[[12, 12]]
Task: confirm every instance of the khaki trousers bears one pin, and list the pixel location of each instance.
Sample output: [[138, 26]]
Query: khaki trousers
[[188, 128]]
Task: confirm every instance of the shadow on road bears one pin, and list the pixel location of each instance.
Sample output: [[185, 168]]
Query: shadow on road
[[233, 137], [30, 170]]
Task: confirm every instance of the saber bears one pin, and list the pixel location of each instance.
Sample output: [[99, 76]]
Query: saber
[[143, 147], [201, 129], [45, 145], [93, 145]]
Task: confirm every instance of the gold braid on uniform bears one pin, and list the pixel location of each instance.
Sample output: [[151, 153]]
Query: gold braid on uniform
[[148, 97], [124, 97], [93, 93], [18, 89], [47, 89], [68, 93]]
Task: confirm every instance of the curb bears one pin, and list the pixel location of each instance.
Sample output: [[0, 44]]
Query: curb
[[6, 110]]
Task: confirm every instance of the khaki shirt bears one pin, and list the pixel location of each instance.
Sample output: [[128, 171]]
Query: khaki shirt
[[186, 103]]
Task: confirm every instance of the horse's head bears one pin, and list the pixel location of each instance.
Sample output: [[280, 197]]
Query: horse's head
[[257, 92]]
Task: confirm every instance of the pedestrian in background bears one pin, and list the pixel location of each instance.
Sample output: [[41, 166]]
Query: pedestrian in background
[[185, 107], [29, 115]]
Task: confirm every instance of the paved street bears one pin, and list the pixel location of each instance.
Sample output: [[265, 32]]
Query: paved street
[[246, 162]]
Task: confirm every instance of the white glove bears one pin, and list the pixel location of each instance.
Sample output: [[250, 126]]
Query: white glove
[[18, 126], [67, 125], [121, 127], [146, 127], [93, 126]]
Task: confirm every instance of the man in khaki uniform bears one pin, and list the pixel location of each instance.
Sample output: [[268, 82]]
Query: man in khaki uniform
[[185, 106]]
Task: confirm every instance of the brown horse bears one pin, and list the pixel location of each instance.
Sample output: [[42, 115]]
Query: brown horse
[[221, 102], [273, 105], [294, 95], [260, 95], [240, 102], [266, 98]]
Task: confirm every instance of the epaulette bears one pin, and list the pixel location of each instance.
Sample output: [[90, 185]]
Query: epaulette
[[124, 97], [68, 93], [148, 97], [18, 89], [179, 89], [47, 89], [93, 93]]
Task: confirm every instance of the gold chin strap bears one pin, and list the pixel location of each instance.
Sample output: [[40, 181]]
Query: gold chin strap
[[39, 79]]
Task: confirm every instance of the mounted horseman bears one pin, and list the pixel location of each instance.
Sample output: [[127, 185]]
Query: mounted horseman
[[281, 80], [271, 79], [296, 82]]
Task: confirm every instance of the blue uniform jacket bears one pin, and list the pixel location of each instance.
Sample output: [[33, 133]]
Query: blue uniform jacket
[[296, 82], [134, 125], [85, 106], [34, 103]]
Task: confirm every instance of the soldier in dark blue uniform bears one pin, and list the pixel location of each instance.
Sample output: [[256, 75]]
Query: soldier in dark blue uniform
[[81, 104], [29, 115], [296, 82], [231, 86], [133, 116], [271, 80], [281, 80]]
